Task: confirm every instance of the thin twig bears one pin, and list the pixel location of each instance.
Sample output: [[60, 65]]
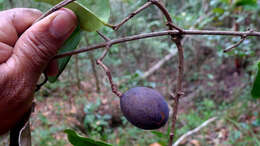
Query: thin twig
[[103, 36], [146, 5], [55, 8], [108, 73], [243, 38], [101, 58], [179, 91], [107, 46], [156, 34], [106, 69], [189, 133], [167, 15]]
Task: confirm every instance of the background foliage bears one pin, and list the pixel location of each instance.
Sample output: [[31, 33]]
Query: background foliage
[[216, 83]]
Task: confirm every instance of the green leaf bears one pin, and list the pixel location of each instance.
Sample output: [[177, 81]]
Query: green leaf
[[70, 44], [246, 2], [158, 134], [92, 14], [256, 86], [1, 4], [78, 140], [218, 10]]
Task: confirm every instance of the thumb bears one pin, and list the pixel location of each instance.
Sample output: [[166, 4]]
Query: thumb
[[38, 44]]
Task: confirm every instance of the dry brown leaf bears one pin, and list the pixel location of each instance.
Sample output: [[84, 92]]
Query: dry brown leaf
[[155, 144], [195, 142], [117, 140]]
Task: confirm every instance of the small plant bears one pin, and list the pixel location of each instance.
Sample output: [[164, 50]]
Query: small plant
[[96, 125]]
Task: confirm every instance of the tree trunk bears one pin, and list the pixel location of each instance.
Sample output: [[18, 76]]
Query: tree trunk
[[11, 2], [77, 71], [93, 65]]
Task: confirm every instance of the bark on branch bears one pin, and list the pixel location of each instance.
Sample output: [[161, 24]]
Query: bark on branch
[[157, 34]]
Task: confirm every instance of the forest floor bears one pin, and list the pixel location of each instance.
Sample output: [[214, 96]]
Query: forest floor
[[221, 91]]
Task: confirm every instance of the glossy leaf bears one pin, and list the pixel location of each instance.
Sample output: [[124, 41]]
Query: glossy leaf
[[256, 86], [70, 44], [92, 14], [78, 140]]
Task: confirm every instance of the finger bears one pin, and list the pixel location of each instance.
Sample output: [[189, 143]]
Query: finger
[[14, 22], [36, 47], [5, 52], [52, 68]]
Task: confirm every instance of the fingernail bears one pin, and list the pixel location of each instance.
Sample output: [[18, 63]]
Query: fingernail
[[63, 24]]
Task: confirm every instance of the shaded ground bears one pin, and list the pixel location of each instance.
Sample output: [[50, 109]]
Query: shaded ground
[[211, 89], [222, 84]]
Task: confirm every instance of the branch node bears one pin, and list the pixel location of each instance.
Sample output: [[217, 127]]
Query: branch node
[[170, 24], [177, 38], [167, 16], [106, 69], [180, 93]]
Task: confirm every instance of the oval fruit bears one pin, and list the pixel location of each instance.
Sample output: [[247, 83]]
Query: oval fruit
[[145, 108]]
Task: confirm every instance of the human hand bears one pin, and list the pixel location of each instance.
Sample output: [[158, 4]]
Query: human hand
[[25, 51]]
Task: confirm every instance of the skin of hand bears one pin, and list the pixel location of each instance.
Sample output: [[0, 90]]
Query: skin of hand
[[26, 49]]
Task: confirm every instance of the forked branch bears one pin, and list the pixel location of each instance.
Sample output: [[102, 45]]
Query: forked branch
[[146, 5], [155, 34], [108, 73], [105, 68], [243, 38], [167, 15]]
